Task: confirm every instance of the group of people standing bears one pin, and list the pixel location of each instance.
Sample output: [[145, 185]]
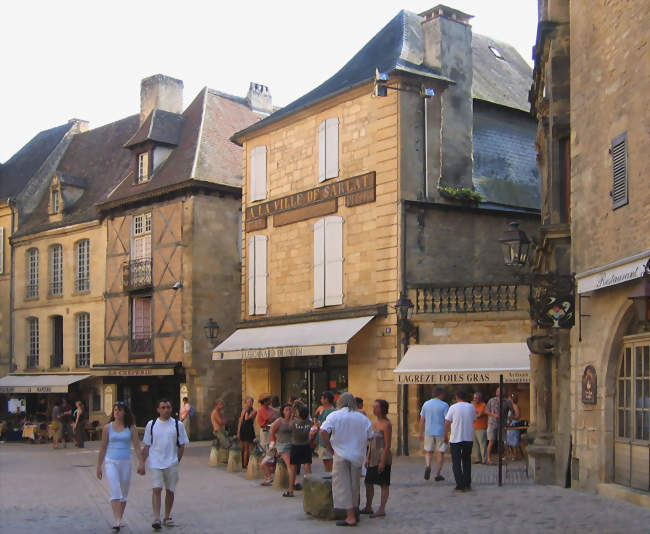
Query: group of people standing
[[163, 444], [68, 423]]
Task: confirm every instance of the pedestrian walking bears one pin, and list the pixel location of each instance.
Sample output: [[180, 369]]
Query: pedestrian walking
[[379, 459], [265, 417], [513, 441], [280, 436], [66, 421], [432, 429], [300, 453], [492, 411], [115, 455], [185, 415], [218, 420], [164, 444], [246, 430], [350, 432], [80, 420], [459, 431], [326, 407], [57, 425], [480, 429]]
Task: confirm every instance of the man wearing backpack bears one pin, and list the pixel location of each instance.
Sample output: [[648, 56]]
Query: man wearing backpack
[[164, 443]]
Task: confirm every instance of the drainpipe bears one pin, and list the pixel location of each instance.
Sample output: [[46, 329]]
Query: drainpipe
[[11, 202], [405, 388]]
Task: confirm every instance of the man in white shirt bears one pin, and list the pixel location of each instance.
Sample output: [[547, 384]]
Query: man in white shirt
[[459, 431], [350, 431], [164, 443]]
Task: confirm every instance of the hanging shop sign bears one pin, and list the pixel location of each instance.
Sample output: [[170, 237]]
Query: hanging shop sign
[[589, 385]]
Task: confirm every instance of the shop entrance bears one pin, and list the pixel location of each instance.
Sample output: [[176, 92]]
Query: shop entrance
[[307, 377], [141, 395]]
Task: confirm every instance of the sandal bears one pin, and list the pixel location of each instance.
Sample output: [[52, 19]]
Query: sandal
[[156, 525], [344, 523], [168, 522], [288, 494]]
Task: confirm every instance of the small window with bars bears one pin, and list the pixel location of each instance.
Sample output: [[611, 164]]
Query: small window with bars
[[56, 270], [82, 274], [32, 342], [620, 191], [83, 340], [32, 273]]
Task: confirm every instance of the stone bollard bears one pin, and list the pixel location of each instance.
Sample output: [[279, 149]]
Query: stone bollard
[[281, 478], [317, 498], [234, 460], [214, 457], [254, 471]]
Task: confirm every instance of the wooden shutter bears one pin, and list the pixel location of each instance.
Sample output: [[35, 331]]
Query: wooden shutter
[[319, 264], [257, 274], [2, 250], [332, 148], [619, 171], [257, 188], [333, 261]]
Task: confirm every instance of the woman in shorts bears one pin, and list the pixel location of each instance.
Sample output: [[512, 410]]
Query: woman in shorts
[[300, 453], [379, 459]]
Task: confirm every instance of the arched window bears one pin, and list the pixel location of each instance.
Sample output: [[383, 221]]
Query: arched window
[[31, 285], [56, 270], [82, 335], [82, 267]]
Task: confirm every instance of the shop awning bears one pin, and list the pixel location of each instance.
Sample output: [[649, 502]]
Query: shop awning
[[464, 364], [53, 383], [318, 338]]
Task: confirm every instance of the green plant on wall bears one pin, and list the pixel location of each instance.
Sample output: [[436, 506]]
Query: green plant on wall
[[462, 194]]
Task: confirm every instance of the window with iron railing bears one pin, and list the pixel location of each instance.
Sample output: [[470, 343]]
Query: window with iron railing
[[83, 339], [33, 342], [82, 272], [31, 286], [56, 270], [466, 299]]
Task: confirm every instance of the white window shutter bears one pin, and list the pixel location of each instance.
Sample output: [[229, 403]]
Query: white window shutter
[[333, 261], [321, 152], [251, 276], [260, 273], [319, 264], [2, 250], [332, 148], [258, 174]]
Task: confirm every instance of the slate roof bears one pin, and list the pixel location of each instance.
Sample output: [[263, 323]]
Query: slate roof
[[97, 160], [15, 173], [399, 47], [204, 152], [161, 127]]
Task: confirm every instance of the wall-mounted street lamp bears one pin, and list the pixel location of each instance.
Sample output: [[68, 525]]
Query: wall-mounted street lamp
[[211, 330], [552, 295], [404, 309], [640, 297], [382, 86]]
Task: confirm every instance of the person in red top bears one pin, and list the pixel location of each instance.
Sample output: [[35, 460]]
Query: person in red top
[[480, 429], [265, 416]]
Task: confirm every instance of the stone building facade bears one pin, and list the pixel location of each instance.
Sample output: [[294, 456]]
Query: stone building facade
[[590, 97], [350, 199]]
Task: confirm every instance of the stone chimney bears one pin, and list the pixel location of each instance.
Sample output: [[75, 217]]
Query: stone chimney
[[259, 98], [160, 92], [447, 37], [80, 125]]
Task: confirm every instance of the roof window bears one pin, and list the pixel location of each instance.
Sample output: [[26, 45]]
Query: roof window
[[497, 53]]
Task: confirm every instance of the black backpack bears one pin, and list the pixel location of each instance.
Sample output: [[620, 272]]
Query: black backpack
[[178, 442]]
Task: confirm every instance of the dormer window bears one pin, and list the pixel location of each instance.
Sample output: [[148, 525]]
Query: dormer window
[[55, 201], [143, 167]]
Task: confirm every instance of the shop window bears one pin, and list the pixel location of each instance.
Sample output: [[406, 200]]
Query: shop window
[[257, 188], [56, 270], [82, 271], [328, 262], [633, 394], [257, 274], [32, 273], [83, 339], [328, 149]]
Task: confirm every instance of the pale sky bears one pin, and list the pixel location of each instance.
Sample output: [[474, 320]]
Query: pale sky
[[84, 59]]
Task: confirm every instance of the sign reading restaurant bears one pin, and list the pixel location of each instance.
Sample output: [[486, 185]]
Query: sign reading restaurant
[[613, 274], [462, 377]]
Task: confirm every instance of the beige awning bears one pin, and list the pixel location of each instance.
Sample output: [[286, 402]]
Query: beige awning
[[318, 338], [464, 364], [52, 383]]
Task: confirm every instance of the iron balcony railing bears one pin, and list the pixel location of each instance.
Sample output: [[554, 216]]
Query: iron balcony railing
[[141, 345], [466, 299], [83, 359], [136, 274], [32, 361]]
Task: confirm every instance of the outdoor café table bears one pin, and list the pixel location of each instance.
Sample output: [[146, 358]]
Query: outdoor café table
[[30, 432]]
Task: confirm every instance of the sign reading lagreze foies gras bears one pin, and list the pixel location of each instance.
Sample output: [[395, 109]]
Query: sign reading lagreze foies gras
[[462, 377]]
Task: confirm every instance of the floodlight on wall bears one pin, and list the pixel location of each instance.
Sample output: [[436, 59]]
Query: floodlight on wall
[[381, 87]]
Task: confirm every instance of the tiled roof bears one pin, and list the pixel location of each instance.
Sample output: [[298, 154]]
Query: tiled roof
[[15, 173], [160, 127]]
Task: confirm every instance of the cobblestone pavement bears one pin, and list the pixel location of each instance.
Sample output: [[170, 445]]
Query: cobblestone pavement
[[42, 489]]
